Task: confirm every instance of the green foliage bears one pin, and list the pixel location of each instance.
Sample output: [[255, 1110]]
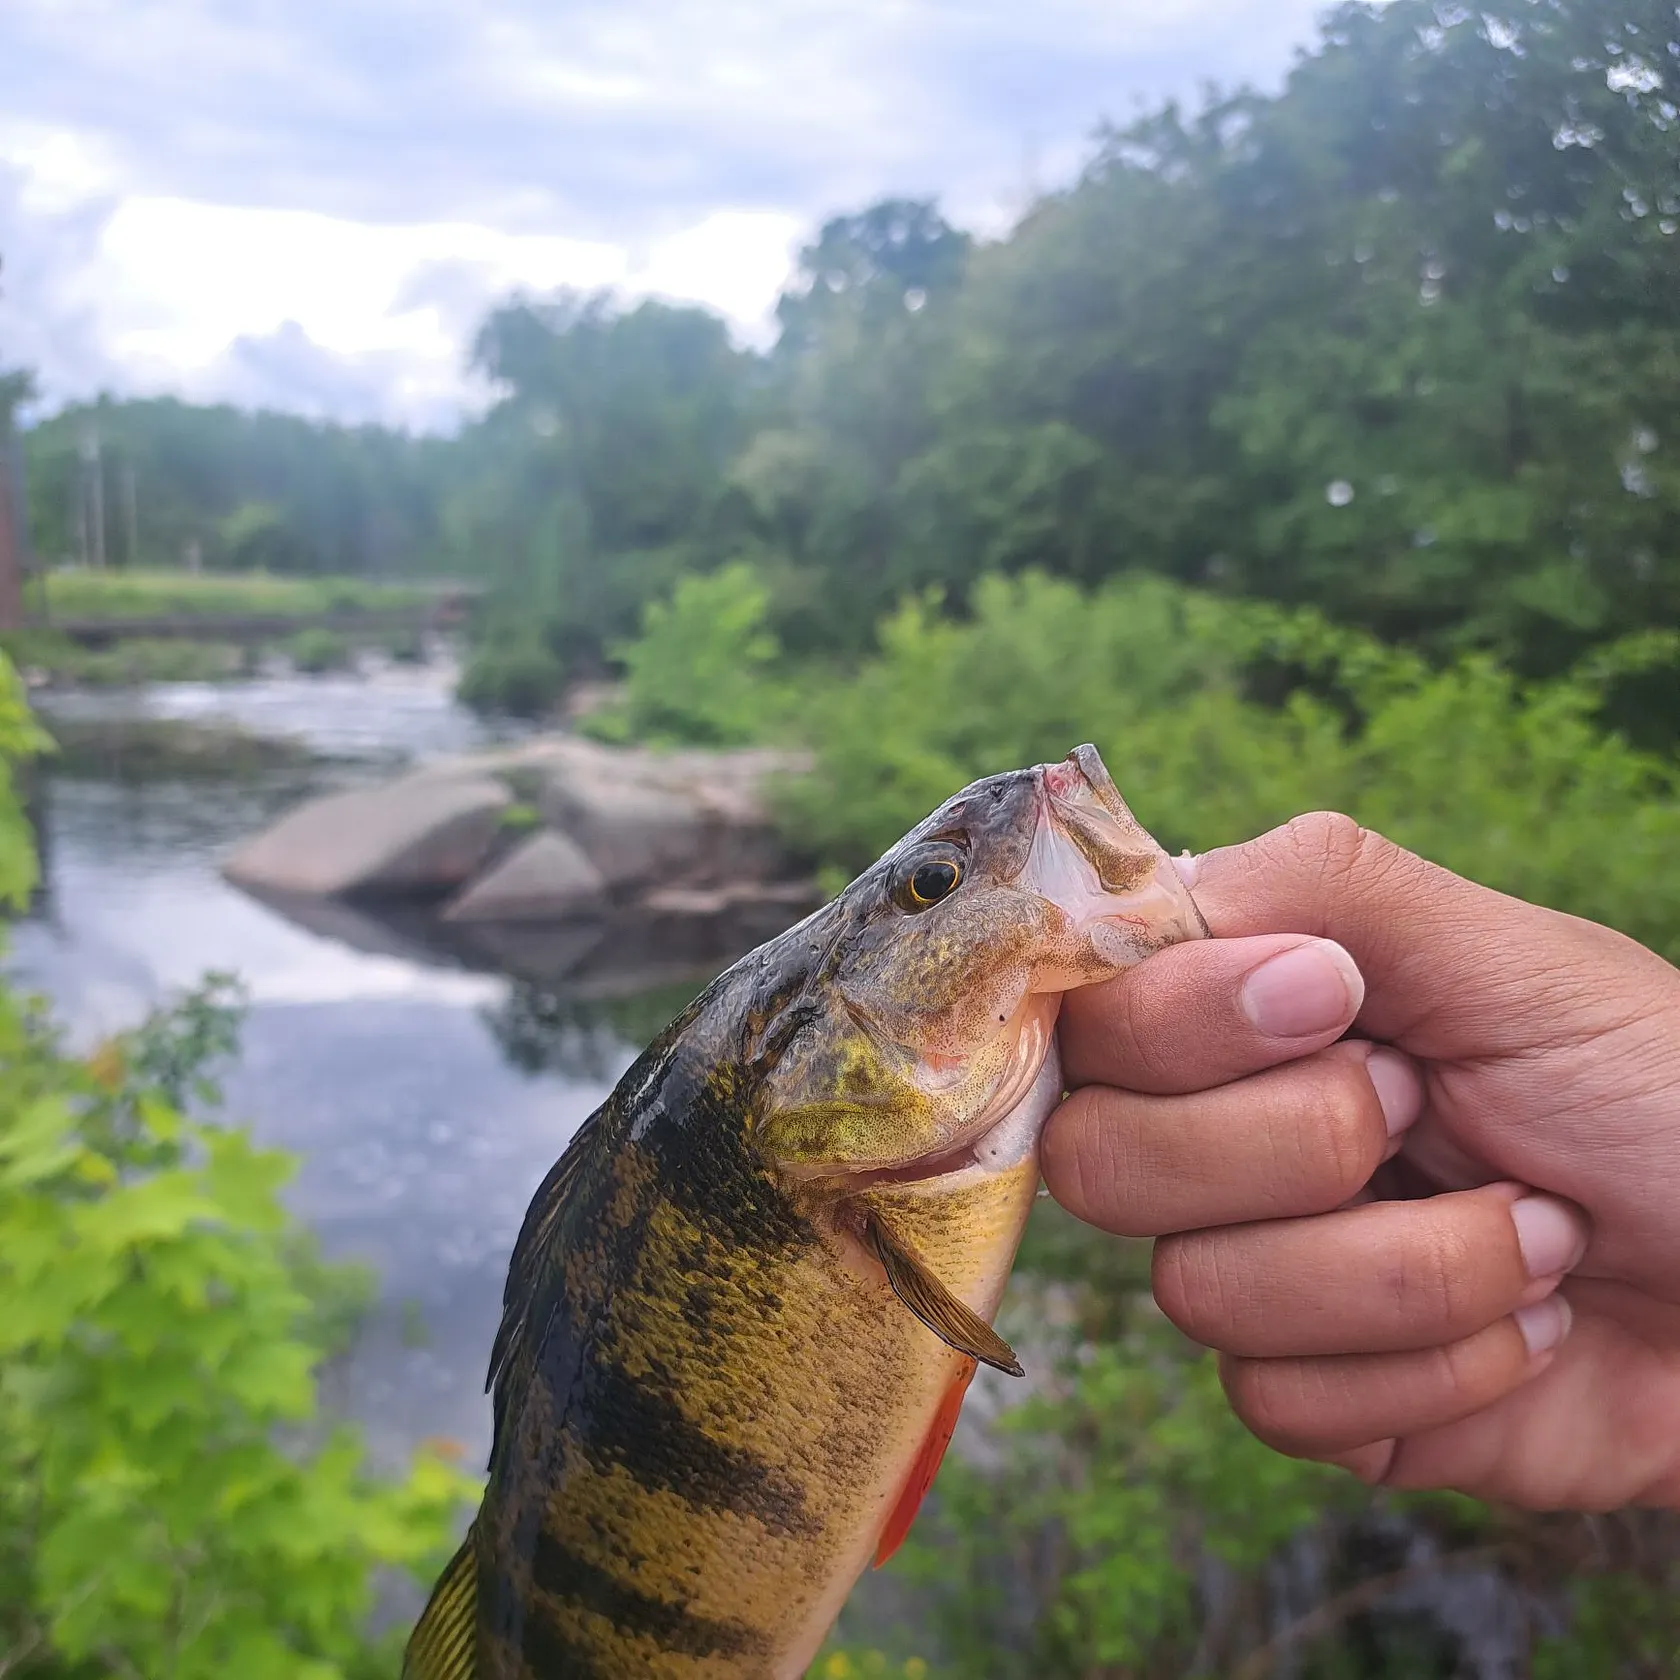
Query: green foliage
[[1086, 1549], [179, 594], [1392, 342], [865, 1665], [124, 663], [143, 749], [1509, 783], [701, 670], [516, 674], [158, 1347], [242, 489], [518, 818], [316, 650], [21, 739]]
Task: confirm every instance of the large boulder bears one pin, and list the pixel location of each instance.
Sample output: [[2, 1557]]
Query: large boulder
[[423, 834], [545, 878], [648, 820], [650, 838]]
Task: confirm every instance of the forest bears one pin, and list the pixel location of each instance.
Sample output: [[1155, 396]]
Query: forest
[[1315, 448]]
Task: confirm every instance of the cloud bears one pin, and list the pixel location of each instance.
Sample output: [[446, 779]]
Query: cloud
[[197, 172]]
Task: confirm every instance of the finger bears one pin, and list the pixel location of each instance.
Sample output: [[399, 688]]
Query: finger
[[1325, 1407], [1208, 1011], [1596, 1433], [1385, 1278], [1297, 1139], [1433, 947]]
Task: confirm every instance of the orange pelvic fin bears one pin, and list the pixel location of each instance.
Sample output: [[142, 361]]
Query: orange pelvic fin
[[926, 1466]]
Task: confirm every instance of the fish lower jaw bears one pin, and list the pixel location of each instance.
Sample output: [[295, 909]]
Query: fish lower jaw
[[1004, 1147]]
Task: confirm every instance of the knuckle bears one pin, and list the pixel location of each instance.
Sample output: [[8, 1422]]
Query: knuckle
[[1436, 1282], [1469, 1371], [1339, 850], [1088, 1158], [1335, 1110], [1196, 1287], [1273, 1399]]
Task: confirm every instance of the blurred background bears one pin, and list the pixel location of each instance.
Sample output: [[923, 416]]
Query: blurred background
[[697, 438]]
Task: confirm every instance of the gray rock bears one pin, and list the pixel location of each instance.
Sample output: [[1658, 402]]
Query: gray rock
[[661, 819], [426, 833], [545, 878], [620, 826]]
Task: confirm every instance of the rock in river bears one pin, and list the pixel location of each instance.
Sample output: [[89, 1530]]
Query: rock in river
[[424, 834], [553, 829], [546, 875]]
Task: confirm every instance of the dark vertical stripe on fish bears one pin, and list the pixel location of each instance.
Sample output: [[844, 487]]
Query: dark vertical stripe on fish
[[563, 1574], [550, 1653], [636, 1423], [710, 1171]]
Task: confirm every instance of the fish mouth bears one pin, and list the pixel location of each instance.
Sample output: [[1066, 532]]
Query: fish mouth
[[1105, 872]]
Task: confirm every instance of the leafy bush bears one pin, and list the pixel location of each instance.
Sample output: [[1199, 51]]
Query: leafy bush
[[518, 675], [317, 649], [125, 663], [702, 669], [1509, 783]]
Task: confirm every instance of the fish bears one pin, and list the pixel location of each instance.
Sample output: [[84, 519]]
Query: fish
[[748, 1299]]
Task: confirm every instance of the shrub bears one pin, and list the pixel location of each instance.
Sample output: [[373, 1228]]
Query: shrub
[[702, 670], [518, 676], [1509, 783], [317, 649]]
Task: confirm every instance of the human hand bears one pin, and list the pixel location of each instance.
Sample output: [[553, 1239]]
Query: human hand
[[1449, 1259]]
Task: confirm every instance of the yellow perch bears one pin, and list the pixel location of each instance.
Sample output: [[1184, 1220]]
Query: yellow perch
[[746, 1302]]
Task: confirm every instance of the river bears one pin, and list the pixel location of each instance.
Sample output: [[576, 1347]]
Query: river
[[421, 1110]]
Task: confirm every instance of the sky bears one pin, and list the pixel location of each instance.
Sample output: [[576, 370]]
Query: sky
[[310, 204]]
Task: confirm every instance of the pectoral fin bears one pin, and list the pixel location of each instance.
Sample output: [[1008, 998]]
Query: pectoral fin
[[444, 1646], [956, 1325]]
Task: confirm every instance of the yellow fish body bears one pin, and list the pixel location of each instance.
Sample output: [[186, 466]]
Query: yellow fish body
[[746, 1301]]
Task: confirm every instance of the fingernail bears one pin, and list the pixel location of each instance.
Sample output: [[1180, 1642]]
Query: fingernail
[[1310, 989], [1398, 1088], [1550, 1233], [1545, 1324], [1188, 868]]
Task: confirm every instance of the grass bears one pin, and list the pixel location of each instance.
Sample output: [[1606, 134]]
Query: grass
[[158, 594], [126, 663], [150, 749]]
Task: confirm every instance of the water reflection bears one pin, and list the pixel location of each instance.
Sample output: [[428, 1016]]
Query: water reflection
[[543, 1031]]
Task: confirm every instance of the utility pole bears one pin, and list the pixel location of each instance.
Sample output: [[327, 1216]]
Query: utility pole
[[131, 519], [11, 527], [93, 491]]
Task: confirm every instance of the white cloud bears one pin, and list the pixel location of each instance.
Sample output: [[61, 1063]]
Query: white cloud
[[204, 194]]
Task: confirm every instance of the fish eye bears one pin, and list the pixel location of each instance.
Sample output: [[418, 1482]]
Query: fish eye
[[934, 881]]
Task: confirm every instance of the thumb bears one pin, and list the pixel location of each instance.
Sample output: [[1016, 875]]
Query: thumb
[[1450, 967]]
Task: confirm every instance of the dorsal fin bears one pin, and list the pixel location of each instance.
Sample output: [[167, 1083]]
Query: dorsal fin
[[954, 1323], [444, 1644]]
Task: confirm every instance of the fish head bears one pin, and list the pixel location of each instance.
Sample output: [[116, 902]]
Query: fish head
[[935, 979]]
